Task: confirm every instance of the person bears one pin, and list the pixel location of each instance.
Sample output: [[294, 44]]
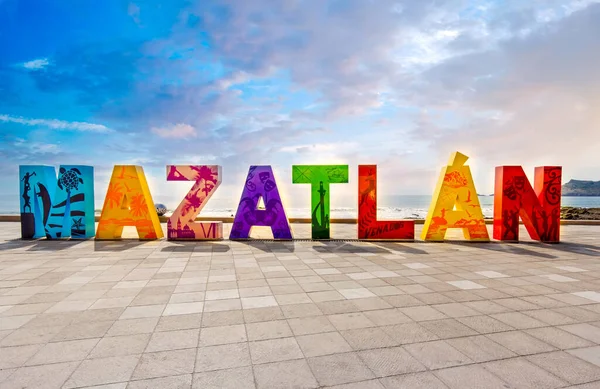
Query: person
[[26, 189]]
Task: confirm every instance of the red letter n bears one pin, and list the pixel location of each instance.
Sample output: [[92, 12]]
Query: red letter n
[[540, 209]]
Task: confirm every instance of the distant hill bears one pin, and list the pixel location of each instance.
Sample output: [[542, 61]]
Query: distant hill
[[581, 188]]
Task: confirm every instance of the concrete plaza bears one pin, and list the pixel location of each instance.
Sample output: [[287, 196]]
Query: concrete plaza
[[302, 314]]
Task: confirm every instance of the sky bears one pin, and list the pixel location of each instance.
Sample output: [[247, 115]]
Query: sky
[[397, 83]]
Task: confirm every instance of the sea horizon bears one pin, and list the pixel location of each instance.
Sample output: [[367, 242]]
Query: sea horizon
[[389, 207]]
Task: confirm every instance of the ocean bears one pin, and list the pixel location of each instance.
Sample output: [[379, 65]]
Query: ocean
[[401, 207], [389, 207]]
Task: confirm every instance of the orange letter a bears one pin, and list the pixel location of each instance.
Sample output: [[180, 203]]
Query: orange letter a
[[128, 203]]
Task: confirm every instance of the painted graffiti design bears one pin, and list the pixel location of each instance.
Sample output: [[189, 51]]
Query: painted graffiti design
[[368, 225], [455, 204], [539, 209], [128, 203], [57, 208], [260, 185], [320, 177], [181, 224]]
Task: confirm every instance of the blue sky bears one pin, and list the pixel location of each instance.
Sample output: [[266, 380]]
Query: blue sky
[[397, 83]]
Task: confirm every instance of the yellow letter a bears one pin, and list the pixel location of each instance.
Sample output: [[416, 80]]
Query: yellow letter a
[[455, 204]]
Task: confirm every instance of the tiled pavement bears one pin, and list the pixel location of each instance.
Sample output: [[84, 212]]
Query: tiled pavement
[[300, 314]]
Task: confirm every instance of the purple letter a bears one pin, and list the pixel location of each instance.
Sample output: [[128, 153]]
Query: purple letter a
[[260, 184]]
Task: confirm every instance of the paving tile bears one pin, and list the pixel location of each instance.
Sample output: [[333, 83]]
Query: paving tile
[[273, 350], [216, 319], [173, 340], [484, 324], [466, 284], [589, 354], [390, 361], [571, 269], [584, 330], [25, 335], [103, 371], [474, 376], [258, 302], [262, 314], [222, 294], [86, 330], [368, 384], [133, 326], [310, 325], [518, 320], [142, 311], [68, 351], [236, 378], [173, 382], [423, 380], [183, 308], [422, 313], [212, 336], [16, 356], [480, 349], [339, 369], [520, 342], [550, 317], [179, 322], [323, 344], [559, 278], [225, 356], [558, 338], [590, 295], [50, 376], [356, 293], [416, 265], [409, 333], [165, 363], [268, 330], [288, 374], [491, 274], [447, 328], [456, 310], [348, 321], [567, 367], [437, 354], [520, 373]]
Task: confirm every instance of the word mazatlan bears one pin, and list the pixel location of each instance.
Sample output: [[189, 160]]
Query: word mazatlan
[[64, 207]]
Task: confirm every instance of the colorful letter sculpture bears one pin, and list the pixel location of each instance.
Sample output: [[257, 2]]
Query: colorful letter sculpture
[[368, 225], [128, 203], [260, 184], [319, 177], [539, 209], [181, 225], [455, 204], [54, 208]]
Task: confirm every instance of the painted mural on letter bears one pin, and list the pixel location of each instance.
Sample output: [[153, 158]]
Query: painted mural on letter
[[57, 208], [539, 209], [368, 225], [320, 177], [128, 202], [455, 204], [260, 184], [181, 224]]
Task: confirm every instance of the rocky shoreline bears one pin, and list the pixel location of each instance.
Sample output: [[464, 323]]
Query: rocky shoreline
[[576, 213]]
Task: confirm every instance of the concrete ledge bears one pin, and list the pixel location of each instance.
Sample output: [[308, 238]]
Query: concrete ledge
[[163, 219]]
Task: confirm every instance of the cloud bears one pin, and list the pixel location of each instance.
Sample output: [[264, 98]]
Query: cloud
[[36, 64], [176, 131], [56, 124]]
